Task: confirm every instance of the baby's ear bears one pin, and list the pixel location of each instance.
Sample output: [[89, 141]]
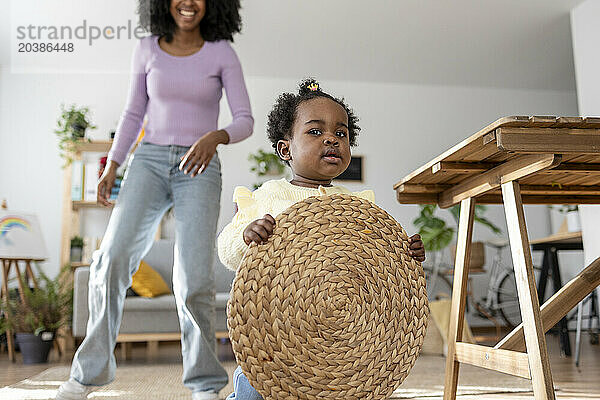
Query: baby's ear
[[283, 150]]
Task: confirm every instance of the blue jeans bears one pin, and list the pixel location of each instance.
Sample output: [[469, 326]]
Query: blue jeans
[[152, 184], [242, 390]]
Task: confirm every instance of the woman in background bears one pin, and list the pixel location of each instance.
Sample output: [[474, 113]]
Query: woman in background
[[177, 78]]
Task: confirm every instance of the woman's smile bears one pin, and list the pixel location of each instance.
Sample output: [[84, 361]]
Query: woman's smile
[[187, 14]]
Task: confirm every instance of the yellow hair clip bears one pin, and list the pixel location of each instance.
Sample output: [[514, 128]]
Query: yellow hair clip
[[313, 87]]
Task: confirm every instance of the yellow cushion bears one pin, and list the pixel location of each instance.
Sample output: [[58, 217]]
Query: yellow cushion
[[147, 282]]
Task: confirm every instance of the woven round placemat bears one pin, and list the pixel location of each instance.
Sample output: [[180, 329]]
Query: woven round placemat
[[331, 307]]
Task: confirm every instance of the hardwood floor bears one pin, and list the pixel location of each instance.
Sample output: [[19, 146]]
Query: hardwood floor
[[574, 383]]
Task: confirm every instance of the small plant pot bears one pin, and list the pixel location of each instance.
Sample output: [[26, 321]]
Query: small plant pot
[[75, 254], [573, 221], [78, 131], [34, 348]]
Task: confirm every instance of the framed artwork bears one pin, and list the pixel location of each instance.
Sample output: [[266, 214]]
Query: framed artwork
[[354, 170], [21, 237]]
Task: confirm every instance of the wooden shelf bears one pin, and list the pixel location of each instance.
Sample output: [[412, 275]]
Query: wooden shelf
[[87, 204], [77, 264], [71, 210], [96, 146]]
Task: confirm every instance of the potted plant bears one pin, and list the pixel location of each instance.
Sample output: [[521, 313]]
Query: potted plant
[[265, 164], [437, 235], [571, 211], [71, 128], [76, 247], [36, 318]]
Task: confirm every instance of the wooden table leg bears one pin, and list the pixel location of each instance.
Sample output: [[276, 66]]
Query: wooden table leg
[[459, 295], [563, 326], [541, 287], [550, 262], [535, 340]]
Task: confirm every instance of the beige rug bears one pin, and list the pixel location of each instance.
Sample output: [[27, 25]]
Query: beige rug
[[426, 381], [133, 382], [163, 381]]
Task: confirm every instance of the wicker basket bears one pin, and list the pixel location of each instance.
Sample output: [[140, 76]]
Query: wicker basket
[[332, 306]]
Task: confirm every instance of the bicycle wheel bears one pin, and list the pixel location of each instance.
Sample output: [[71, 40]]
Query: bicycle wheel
[[438, 285], [508, 301]]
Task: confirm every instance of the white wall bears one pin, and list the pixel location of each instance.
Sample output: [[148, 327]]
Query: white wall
[[586, 31], [404, 126]]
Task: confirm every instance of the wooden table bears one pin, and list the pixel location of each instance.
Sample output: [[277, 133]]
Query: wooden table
[[515, 160], [551, 245]]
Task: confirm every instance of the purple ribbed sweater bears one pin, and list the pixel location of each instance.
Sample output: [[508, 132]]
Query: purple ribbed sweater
[[180, 96]]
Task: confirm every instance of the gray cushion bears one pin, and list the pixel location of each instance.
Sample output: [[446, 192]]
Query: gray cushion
[[221, 300], [160, 258], [150, 322], [165, 302]]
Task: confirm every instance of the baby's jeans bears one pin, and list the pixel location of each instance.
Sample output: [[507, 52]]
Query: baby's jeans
[[242, 390]]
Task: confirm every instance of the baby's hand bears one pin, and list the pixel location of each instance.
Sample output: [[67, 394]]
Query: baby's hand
[[259, 230], [417, 250]]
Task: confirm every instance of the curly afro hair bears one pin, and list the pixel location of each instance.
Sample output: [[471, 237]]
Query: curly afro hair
[[221, 21], [282, 116]]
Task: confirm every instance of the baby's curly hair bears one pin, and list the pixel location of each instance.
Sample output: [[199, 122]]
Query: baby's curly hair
[[221, 21], [282, 116]]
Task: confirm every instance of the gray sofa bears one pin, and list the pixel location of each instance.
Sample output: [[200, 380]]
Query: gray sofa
[[155, 315]]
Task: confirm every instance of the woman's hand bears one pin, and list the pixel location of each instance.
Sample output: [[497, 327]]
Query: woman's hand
[[417, 250], [258, 231], [199, 155], [106, 183]]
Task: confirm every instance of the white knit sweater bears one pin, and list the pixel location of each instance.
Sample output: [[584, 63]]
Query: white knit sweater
[[273, 197]]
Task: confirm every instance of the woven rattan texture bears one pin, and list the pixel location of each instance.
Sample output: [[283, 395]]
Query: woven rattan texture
[[332, 306]]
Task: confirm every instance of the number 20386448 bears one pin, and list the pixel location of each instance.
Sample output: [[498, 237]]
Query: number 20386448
[[26, 47]]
